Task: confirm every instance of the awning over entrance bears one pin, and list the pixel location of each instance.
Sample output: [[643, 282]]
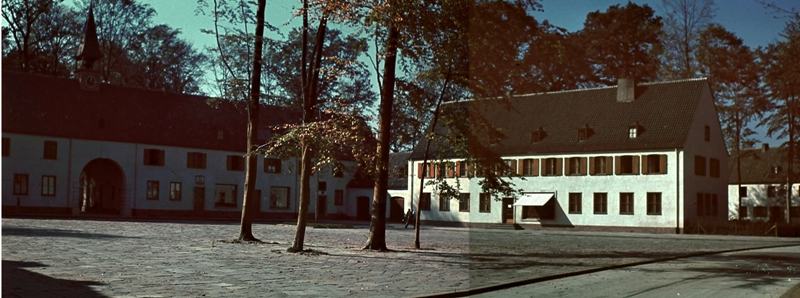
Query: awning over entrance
[[534, 199]]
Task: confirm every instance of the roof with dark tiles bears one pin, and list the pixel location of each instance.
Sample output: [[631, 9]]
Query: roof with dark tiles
[[664, 111], [759, 166], [58, 107]]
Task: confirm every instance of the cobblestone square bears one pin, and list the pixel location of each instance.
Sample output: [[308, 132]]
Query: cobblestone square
[[164, 259]]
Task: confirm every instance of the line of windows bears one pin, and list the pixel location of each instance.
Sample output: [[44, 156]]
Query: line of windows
[[600, 203], [198, 160], [700, 166], [20, 185], [652, 164]]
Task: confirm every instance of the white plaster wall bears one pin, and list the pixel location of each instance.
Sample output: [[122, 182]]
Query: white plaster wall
[[757, 196], [613, 185], [26, 153]]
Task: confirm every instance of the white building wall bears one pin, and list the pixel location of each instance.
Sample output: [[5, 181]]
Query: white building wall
[[26, 157], [757, 196], [587, 185]]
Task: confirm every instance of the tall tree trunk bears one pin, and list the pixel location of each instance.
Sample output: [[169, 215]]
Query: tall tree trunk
[[436, 113], [250, 201], [309, 112], [790, 171], [377, 228], [738, 141]]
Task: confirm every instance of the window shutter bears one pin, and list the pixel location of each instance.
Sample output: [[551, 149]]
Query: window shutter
[[635, 161], [645, 164], [583, 165], [521, 166], [592, 167], [513, 165], [420, 170], [618, 165], [559, 166], [662, 163], [450, 168], [459, 164], [430, 170], [609, 162], [535, 165]]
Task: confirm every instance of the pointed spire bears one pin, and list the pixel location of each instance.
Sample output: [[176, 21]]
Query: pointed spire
[[89, 50]]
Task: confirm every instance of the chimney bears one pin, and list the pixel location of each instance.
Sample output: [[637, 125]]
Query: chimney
[[764, 147], [625, 90]]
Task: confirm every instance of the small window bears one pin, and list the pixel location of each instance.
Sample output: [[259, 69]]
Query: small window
[[444, 203], [461, 168], [707, 204], [48, 186], [707, 133], [485, 203], [322, 186], [600, 203], [601, 165], [653, 203], [759, 211], [425, 201], [654, 164], [50, 150], [743, 192], [552, 167], [279, 197], [713, 170], [576, 166], [225, 195], [338, 197], [772, 191], [20, 184], [235, 163], [195, 160], [626, 203], [463, 202], [152, 190], [743, 212], [699, 165], [273, 166], [6, 146], [627, 165], [530, 212], [575, 204], [538, 135], [153, 157], [337, 171], [585, 133], [175, 191], [422, 170], [530, 167]]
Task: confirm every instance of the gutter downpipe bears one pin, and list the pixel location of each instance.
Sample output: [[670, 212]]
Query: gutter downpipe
[[677, 192], [69, 176]]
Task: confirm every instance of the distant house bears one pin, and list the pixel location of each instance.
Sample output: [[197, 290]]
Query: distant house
[[650, 156], [763, 186]]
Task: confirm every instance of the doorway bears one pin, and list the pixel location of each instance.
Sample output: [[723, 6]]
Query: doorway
[[199, 199], [508, 211], [362, 210], [396, 209], [322, 206], [101, 187]]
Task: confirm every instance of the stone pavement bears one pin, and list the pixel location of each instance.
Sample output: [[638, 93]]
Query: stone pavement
[[164, 259], [752, 273]]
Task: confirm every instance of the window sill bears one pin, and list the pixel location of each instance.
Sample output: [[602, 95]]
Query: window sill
[[657, 214], [576, 213], [151, 199], [625, 213], [598, 213], [655, 174]]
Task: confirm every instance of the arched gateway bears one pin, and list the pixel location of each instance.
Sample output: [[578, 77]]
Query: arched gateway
[[101, 183]]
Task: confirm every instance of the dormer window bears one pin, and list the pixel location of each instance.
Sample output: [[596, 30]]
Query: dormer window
[[634, 130], [584, 132], [538, 135]]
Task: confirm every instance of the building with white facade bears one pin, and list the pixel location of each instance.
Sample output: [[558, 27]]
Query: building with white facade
[[649, 157], [762, 187], [132, 152]]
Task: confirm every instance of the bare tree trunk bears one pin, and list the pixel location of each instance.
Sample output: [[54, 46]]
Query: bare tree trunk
[[249, 200], [377, 228], [790, 171], [738, 145], [309, 112], [436, 113]]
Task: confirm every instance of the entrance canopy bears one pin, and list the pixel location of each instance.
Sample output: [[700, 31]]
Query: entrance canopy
[[534, 199]]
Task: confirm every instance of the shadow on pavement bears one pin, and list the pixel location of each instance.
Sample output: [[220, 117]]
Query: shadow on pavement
[[19, 282], [46, 232]]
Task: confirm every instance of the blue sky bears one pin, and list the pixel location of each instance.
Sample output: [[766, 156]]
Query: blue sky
[[749, 19]]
